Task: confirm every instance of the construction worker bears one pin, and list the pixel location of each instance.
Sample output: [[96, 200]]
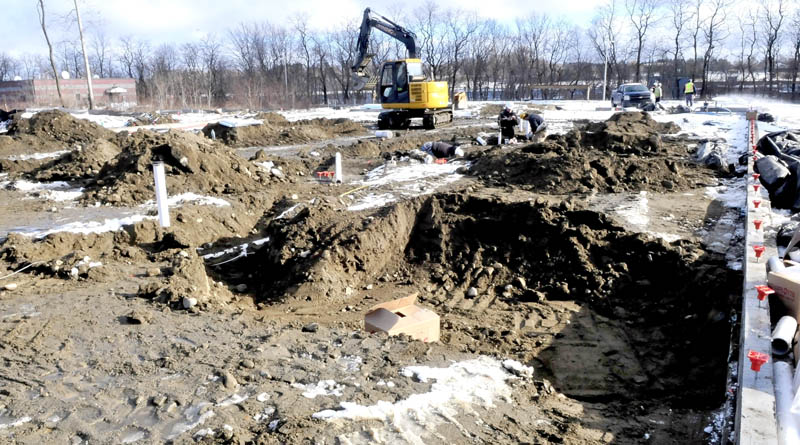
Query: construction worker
[[507, 121], [689, 92], [430, 150], [536, 123], [657, 92]]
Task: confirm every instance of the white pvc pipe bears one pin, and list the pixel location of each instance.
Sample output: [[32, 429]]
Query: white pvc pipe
[[783, 334], [788, 433], [499, 138], [161, 193], [384, 134], [338, 173], [775, 264]]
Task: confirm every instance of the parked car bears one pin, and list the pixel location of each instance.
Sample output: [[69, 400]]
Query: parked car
[[631, 95]]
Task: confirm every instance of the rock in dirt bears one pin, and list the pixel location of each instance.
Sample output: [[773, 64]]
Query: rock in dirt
[[137, 317], [229, 381], [10, 286], [472, 292], [311, 327], [189, 302]]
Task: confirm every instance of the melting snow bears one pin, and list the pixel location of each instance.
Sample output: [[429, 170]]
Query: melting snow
[[456, 390], [322, 388], [38, 156]]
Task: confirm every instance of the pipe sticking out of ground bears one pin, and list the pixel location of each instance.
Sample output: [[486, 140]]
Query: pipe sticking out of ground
[[783, 334], [161, 193]]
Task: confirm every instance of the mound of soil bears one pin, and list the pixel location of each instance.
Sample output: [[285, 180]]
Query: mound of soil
[[626, 153], [278, 131], [272, 118], [57, 126], [447, 244], [80, 164], [192, 164]]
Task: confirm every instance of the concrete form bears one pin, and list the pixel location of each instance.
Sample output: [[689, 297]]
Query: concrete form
[[755, 409]]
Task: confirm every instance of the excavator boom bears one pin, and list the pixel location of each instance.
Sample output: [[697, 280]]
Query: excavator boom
[[377, 21]]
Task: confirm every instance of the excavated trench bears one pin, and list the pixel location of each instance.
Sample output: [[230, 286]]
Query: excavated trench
[[651, 320]]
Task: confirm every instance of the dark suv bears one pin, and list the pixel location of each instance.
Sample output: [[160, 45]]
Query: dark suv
[[631, 95]]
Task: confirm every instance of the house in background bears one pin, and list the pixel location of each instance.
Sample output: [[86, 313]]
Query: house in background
[[112, 93]]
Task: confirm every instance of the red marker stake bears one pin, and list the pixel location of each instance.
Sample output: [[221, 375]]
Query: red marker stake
[[757, 359], [763, 291]]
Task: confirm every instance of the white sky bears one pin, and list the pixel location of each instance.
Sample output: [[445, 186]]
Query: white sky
[[180, 21]]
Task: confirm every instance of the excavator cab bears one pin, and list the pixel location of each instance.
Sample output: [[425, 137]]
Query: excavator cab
[[401, 85]]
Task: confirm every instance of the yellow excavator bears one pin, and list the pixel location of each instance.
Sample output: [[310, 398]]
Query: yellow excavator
[[401, 85]]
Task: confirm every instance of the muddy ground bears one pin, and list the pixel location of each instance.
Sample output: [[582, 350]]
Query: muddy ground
[[242, 322]]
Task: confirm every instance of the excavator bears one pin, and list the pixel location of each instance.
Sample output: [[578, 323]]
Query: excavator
[[402, 86]]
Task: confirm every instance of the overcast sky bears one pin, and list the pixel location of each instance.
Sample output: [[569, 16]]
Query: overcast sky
[[180, 21]]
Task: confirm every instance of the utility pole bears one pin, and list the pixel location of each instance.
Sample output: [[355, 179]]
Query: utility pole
[[85, 58]]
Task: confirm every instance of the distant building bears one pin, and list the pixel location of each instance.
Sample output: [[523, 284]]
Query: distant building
[[115, 93]]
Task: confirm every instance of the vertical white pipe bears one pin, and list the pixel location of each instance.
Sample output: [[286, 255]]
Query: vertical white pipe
[[783, 334], [161, 193], [788, 432], [338, 173], [499, 138]]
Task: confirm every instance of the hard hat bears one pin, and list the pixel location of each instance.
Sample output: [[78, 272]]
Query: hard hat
[[508, 106], [524, 114], [459, 152]]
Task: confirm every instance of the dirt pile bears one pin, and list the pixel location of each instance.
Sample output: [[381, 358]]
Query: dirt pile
[[461, 252], [626, 153], [192, 164], [55, 126], [80, 164], [277, 131]]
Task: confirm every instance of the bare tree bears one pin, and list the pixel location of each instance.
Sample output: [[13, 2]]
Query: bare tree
[[42, 22], [461, 28], [714, 33], [681, 15], [101, 55], [773, 13], [641, 14], [697, 31], [796, 51]]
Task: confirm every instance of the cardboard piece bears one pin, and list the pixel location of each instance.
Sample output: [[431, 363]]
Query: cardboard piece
[[786, 284], [403, 316]]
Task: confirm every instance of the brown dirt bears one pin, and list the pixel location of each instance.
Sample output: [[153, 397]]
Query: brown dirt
[[192, 164], [277, 131], [58, 128], [623, 342], [629, 152]]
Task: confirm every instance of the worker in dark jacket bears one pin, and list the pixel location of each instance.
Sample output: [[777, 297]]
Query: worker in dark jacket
[[507, 121], [436, 150], [536, 123]]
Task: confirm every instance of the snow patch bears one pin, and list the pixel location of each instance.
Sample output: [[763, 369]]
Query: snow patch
[[322, 388], [38, 156], [456, 390]]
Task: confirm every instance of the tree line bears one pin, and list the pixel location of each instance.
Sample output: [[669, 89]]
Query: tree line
[[727, 46]]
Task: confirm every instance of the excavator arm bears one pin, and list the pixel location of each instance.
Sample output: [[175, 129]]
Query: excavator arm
[[373, 20]]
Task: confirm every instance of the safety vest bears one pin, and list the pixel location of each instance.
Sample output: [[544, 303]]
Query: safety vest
[[657, 92], [689, 88]]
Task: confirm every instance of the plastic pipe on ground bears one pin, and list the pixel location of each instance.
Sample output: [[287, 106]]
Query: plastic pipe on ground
[[161, 194], [788, 432], [783, 334], [775, 264], [338, 175], [384, 134]]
